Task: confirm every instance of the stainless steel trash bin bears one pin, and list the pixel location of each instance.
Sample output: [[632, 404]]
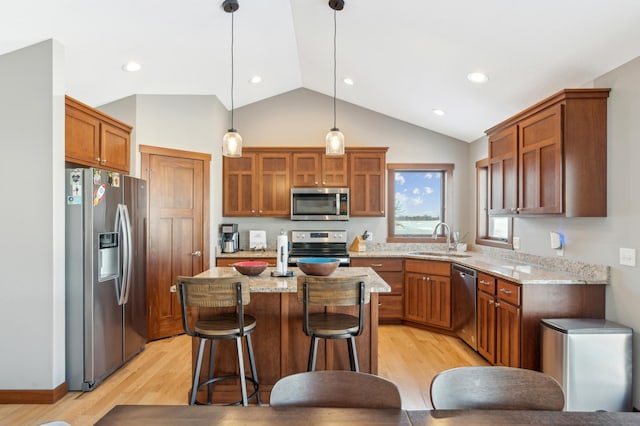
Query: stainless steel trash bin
[[591, 358]]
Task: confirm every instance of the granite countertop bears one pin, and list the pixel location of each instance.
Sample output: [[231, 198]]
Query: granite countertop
[[512, 270], [265, 283]]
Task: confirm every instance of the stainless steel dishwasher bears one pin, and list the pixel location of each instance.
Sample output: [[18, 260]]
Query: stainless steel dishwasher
[[464, 304]]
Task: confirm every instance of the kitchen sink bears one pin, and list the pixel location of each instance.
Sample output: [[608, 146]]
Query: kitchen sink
[[438, 253]]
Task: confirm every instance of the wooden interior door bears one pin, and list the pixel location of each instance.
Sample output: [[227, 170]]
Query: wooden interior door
[[178, 183]]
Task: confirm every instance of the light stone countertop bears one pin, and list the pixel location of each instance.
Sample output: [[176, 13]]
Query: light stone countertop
[[265, 283], [516, 271], [511, 270]]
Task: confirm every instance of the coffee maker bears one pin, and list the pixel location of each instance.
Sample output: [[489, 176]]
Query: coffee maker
[[229, 238]]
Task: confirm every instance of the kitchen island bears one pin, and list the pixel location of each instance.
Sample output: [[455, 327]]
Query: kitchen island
[[281, 347]]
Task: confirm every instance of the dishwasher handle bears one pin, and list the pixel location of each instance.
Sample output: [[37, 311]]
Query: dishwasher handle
[[463, 270]]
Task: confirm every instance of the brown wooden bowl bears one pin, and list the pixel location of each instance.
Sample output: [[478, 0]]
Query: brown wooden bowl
[[250, 267], [318, 265]]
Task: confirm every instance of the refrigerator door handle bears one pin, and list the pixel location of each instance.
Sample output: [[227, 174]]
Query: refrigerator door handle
[[124, 229], [128, 255]]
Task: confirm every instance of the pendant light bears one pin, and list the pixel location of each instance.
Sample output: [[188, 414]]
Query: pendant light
[[231, 141], [335, 139]]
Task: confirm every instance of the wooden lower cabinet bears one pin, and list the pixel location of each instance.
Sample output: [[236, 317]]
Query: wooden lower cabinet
[[509, 314], [486, 323], [427, 293], [391, 270], [281, 348]]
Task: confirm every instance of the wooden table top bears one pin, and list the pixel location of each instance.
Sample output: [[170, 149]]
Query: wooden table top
[[124, 415]]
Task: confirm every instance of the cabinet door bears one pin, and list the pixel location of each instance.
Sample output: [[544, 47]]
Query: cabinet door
[[307, 169], [367, 183], [508, 334], [438, 301], [415, 297], [114, 148], [82, 137], [487, 326], [274, 194], [540, 162], [239, 185], [334, 170], [503, 175]]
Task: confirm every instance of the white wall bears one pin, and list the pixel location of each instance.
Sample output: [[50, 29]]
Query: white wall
[[597, 240], [32, 217]]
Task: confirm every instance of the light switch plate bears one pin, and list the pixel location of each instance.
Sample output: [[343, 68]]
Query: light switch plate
[[516, 243], [369, 236], [628, 256]]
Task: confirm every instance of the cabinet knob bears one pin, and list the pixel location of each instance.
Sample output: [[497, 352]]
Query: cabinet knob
[[497, 304], [98, 159], [197, 253], [505, 291], [483, 282], [491, 302], [376, 265], [103, 161], [173, 289]]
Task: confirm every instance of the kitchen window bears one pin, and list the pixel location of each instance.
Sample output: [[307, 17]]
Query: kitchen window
[[496, 231], [418, 199]]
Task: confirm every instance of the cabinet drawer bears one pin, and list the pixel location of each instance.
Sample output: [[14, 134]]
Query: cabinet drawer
[[378, 263], [509, 292], [486, 283], [228, 261], [428, 267], [390, 307]]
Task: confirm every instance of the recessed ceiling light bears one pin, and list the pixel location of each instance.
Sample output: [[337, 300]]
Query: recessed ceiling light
[[256, 79], [438, 111], [477, 77], [132, 67], [348, 81]]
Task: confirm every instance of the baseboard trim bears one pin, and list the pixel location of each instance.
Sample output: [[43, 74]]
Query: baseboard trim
[[33, 396]]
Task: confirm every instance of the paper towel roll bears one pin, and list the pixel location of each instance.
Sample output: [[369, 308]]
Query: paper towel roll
[[282, 247]]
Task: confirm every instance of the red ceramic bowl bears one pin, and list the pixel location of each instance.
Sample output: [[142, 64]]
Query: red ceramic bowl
[[250, 267]]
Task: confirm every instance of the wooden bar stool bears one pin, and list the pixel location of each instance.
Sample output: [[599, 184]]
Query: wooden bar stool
[[333, 291], [219, 293]]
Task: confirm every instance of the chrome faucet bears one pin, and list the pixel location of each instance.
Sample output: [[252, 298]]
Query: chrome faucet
[[447, 232]]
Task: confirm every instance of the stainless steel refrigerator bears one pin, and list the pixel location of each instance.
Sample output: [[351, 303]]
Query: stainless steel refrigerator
[[105, 261]]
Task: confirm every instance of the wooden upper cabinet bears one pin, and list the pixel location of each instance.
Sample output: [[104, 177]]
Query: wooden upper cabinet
[[238, 185], [503, 177], [274, 186], [94, 139], [257, 184], [540, 162], [367, 173], [316, 169], [561, 157]]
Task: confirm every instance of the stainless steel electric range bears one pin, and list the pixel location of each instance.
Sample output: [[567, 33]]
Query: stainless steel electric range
[[319, 244]]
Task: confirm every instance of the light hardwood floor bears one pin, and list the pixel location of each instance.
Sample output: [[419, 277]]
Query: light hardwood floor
[[161, 374]]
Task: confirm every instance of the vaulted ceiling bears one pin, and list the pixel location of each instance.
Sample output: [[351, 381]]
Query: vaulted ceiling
[[406, 57]]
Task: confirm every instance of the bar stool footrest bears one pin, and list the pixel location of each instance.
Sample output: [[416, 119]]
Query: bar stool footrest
[[254, 394]]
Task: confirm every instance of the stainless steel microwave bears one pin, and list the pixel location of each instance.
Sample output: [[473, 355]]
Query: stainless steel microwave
[[319, 203]]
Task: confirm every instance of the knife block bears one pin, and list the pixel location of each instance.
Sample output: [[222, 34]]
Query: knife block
[[358, 244]]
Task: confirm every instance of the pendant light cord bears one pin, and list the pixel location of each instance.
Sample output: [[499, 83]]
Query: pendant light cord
[[232, 13], [335, 25]]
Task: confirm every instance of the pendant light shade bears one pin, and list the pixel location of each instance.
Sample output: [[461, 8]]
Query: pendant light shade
[[334, 142], [231, 141]]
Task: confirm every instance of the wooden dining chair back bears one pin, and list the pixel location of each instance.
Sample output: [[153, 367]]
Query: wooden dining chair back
[[225, 292], [335, 389], [495, 388], [333, 291]]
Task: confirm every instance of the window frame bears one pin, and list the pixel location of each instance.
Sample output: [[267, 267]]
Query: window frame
[[447, 198], [482, 211]]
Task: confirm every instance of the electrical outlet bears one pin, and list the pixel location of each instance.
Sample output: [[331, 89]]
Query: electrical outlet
[[628, 256], [516, 243], [369, 236]]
